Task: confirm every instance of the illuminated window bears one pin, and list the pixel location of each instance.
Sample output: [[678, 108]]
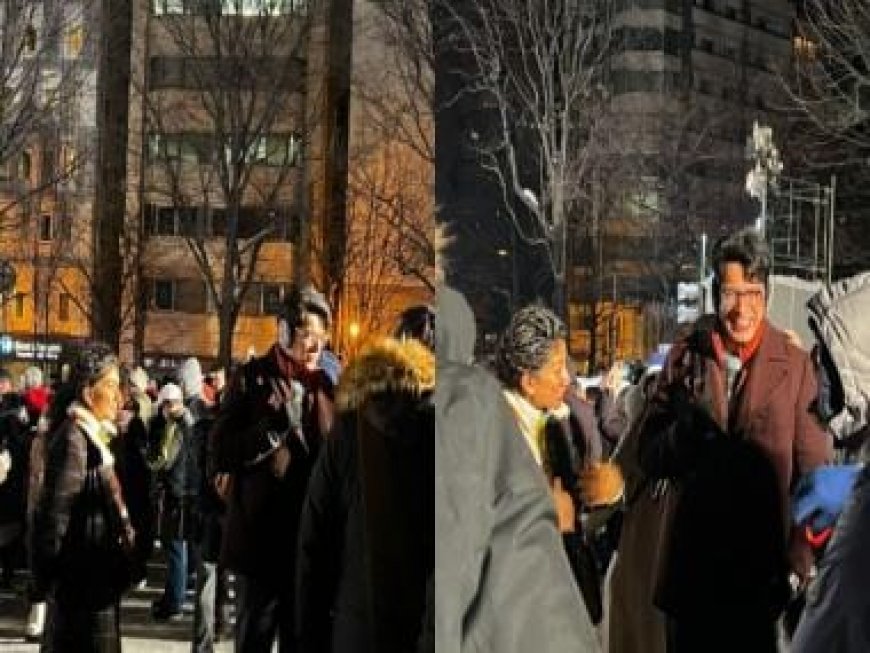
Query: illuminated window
[[63, 308], [74, 40], [803, 48]]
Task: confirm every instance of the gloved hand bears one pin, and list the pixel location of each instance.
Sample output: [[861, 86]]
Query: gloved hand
[[820, 495]]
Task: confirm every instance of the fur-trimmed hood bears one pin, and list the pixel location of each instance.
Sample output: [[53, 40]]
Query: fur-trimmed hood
[[388, 366]]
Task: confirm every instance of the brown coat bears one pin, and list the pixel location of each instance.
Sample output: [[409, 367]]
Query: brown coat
[[730, 466]]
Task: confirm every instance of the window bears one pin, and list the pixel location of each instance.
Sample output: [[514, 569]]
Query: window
[[218, 222], [25, 166], [62, 228], [73, 41], [169, 7], [271, 298], [707, 45], [166, 221], [164, 295], [19, 305], [188, 222], [63, 308], [30, 39], [45, 227], [49, 165]]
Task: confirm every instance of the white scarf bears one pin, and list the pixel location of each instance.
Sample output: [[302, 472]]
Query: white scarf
[[85, 420]]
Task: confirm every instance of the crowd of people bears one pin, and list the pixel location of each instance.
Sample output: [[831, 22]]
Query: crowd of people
[[107, 467], [691, 506], [714, 499]]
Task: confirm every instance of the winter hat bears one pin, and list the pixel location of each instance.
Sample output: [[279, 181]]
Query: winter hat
[[300, 301], [169, 392], [190, 377]]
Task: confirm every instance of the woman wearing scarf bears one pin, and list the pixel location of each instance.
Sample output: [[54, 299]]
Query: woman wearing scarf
[[81, 529]]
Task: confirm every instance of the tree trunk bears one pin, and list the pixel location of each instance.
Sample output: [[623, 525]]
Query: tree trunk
[[111, 165], [227, 318]]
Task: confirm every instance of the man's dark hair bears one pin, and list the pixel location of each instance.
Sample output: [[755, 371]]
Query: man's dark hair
[[745, 247], [302, 301], [527, 343], [418, 322], [4, 374]]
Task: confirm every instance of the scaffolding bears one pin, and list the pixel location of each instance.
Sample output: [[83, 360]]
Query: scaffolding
[[800, 228]]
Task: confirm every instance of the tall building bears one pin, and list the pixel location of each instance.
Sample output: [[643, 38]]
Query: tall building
[[684, 83], [226, 154], [687, 79], [49, 120]]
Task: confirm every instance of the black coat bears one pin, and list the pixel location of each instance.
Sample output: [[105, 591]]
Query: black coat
[[77, 523], [177, 483], [13, 439], [263, 510], [366, 540]]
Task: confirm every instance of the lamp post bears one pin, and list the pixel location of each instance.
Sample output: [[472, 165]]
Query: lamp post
[[767, 166]]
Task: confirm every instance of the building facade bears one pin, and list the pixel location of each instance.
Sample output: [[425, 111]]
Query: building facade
[[47, 175]]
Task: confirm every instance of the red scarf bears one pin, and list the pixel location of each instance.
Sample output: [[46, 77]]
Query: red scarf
[[723, 344]]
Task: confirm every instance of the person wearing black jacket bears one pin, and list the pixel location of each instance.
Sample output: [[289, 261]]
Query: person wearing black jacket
[[82, 535], [13, 468], [366, 542], [267, 435]]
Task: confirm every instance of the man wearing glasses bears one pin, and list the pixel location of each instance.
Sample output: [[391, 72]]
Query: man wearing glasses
[[275, 413], [725, 433]]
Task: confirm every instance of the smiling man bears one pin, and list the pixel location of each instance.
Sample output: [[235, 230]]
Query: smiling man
[[266, 438], [729, 428]]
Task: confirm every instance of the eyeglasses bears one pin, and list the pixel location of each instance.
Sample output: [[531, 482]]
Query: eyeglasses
[[315, 334], [730, 296]]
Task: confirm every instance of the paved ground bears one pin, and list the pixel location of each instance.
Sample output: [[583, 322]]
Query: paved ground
[[139, 631]]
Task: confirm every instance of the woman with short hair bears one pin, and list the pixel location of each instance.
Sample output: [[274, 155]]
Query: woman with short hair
[[81, 528]]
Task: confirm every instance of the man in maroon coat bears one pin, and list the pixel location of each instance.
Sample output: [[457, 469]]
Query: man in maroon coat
[[726, 432], [265, 440]]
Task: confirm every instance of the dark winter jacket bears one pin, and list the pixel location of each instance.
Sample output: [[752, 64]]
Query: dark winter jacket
[[366, 541], [730, 463], [79, 518], [263, 510], [177, 478], [13, 440]]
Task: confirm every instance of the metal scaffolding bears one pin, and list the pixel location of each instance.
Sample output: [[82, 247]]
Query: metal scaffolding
[[800, 228]]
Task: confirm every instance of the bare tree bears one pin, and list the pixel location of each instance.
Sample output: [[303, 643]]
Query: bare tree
[[390, 240], [831, 84], [44, 87], [828, 93], [537, 68], [226, 152]]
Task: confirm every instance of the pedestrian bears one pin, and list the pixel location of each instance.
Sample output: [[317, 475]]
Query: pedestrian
[[837, 603], [366, 541], [502, 581], [13, 473], [172, 458], [268, 433], [211, 607], [726, 433], [82, 533], [532, 365]]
